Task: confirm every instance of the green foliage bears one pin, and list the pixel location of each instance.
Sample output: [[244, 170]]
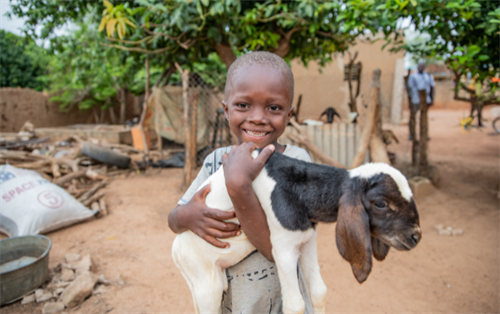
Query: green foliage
[[22, 62], [307, 29], [86, 73], [465, 34]]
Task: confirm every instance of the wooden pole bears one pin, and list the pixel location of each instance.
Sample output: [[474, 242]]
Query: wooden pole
[[424, 132], [188, 167], [369, 122], [378, 151], [412, 124]]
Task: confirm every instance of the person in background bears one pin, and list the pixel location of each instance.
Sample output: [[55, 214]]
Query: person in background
[[420, 80]]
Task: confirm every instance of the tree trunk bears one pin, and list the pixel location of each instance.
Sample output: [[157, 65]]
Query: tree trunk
[[424, 132], [412, 124], [225, 53], [123, 104], [188, 166], [146, 96], [112, 115]]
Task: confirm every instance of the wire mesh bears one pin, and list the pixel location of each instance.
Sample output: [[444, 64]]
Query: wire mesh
[[206, 93]]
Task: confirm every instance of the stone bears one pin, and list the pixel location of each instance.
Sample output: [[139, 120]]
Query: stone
[[72, 257], [421, 187], [99, 290], [28, 299], [67, 275], [59, 291], [84, 265], [120, 281], [79, 289], [103, 280], [52, 307], [42, 295], [62, 284], [456, 232], [442, 230]]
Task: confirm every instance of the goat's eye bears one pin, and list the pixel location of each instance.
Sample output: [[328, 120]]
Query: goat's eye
[[381, 205]]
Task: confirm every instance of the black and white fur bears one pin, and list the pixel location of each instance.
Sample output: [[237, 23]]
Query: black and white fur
[[296, 195]]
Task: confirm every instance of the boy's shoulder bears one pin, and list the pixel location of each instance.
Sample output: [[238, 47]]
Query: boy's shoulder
[[214, 160]]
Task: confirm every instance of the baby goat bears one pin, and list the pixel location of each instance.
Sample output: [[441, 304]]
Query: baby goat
[[372, 205]]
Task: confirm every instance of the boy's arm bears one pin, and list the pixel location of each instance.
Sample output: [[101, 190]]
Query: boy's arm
[[204, 221], [246, 204]]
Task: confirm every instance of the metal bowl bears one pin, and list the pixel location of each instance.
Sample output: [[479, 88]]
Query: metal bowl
[[24, 265]]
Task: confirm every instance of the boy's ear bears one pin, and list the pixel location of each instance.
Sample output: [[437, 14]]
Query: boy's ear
[[226, 109], [289, 115]]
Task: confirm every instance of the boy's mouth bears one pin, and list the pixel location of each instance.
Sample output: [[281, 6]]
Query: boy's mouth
[[256, 134]]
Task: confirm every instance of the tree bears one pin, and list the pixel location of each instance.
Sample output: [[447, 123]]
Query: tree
[[465, 34], [309, 30], [86, 73], [22, 62]]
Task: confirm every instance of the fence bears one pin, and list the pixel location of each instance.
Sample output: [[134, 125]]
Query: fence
[[337, 140]]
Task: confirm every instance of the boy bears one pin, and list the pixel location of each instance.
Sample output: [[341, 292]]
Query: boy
[[258, 105]]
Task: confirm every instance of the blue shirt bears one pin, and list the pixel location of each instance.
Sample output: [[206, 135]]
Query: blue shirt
[[420, 81]]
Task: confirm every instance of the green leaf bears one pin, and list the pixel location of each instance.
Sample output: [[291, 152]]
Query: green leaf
[[205, 3], [483, 58]]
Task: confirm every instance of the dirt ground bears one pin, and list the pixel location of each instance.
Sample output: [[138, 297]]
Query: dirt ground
[[444, 274]]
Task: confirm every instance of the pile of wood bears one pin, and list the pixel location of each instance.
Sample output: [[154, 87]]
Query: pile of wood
[[63, 164]]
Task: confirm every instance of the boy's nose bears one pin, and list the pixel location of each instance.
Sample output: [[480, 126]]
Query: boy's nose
[[257, 117]]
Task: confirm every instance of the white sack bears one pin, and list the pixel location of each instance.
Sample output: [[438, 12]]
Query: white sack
[[30, 204]]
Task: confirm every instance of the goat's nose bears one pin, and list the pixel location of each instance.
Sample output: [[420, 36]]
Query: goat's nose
[[416, 236]]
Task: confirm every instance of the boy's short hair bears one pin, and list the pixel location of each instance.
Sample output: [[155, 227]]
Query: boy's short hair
[[261, 58]]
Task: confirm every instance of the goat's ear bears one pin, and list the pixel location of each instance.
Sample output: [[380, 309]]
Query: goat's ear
[[379, 249], [353, 235]]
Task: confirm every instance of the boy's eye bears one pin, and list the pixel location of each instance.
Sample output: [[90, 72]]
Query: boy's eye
[[274, 108], [243, 106]]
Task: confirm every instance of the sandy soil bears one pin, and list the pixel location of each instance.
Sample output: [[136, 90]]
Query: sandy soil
[[444, 274]]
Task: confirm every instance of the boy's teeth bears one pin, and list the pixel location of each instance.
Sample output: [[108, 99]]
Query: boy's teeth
[[256, 133]]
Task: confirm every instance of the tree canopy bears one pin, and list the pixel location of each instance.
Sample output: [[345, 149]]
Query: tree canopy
[[465, 34], [22, 62]]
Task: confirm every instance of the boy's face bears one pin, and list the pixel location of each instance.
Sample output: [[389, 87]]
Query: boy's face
[[258, 105]]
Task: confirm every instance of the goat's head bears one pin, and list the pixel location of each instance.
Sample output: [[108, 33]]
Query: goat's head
[[377, 210]]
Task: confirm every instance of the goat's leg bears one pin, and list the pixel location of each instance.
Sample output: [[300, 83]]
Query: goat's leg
[[208, 290], [286, 259], [310, 267]]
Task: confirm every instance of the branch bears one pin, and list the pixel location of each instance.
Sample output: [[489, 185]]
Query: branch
[[284, 42], [132, 42], [138, 49], [328, 35]]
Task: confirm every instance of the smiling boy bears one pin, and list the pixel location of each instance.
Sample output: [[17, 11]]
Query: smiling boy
[[258, 106]]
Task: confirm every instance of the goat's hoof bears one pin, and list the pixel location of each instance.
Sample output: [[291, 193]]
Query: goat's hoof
[[319, 310], [294, 310]]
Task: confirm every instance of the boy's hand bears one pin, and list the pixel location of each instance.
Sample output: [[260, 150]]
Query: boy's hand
[[240, 168], [206, 222]]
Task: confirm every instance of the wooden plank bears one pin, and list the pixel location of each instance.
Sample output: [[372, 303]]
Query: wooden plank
[[342, 144], [310, 133], [335, 141], [350, 143], [318, 140], [327, 139]]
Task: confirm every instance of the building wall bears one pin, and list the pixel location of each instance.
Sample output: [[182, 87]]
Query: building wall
[[18, 105], [327, 88]]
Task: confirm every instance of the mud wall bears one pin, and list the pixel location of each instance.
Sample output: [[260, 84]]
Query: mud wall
[[328, 89], [18, 105]]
